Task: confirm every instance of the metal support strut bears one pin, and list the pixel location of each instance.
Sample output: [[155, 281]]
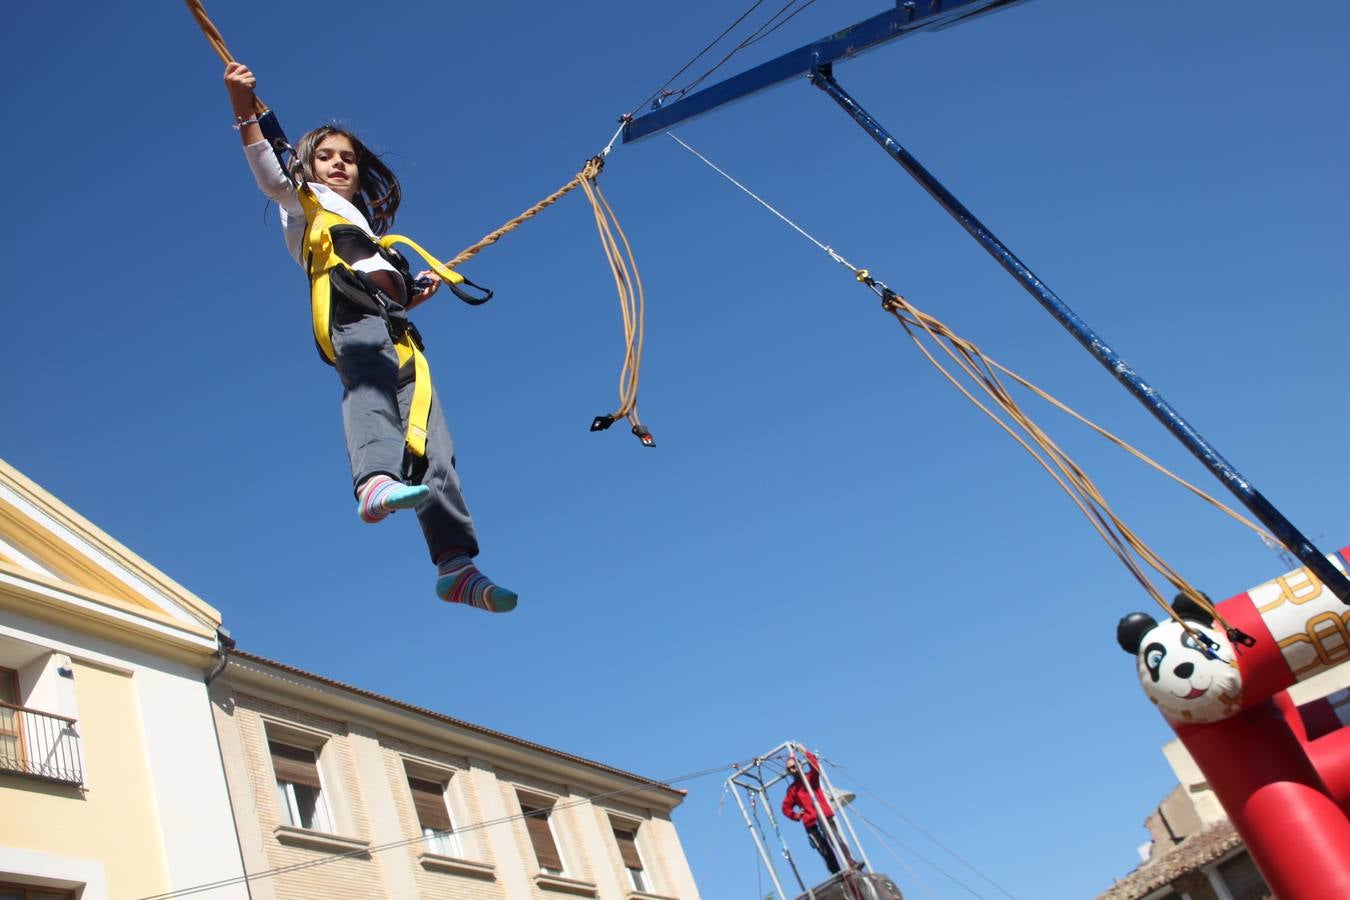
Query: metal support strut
[[1261, 508]]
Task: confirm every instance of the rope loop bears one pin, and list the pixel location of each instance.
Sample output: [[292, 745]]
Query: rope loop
[[985, 374]]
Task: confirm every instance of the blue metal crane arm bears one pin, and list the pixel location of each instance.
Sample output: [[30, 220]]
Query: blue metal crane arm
[[908, 17]]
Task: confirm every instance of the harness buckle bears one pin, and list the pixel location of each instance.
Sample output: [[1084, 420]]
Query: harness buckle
[[411, 331], [600, 423], [1238, 636], [644, 435]]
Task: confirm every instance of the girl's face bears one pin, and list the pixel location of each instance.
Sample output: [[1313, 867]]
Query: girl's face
[[335, 165]]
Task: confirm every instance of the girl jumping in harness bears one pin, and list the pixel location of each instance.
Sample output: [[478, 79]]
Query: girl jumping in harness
[[361, 327]]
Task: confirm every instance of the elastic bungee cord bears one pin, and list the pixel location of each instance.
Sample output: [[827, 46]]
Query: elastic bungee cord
[[985, 373]]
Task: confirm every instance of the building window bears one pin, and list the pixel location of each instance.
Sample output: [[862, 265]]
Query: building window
[[626, 836], [1243, 880], [433, 817], [11, 723], [20, 892], [43, 745], [299, 790], [538, 813]]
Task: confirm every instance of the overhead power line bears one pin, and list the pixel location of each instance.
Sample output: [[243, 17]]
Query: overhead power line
[[912, 824], [697, 56], [768, 27]]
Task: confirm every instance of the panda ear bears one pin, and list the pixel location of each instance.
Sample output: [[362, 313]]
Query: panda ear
[[1192, 611], [1131, 630]]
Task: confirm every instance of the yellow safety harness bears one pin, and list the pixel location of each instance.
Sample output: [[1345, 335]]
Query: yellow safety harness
[[331, 280], [327, 270]]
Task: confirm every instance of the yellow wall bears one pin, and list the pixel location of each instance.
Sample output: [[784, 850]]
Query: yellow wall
[[114, 819]]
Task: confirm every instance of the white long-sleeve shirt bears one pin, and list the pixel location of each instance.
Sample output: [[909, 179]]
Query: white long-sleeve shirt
[[272, 181]]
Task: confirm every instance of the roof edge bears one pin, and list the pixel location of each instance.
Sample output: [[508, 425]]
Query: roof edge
[[490, 734]]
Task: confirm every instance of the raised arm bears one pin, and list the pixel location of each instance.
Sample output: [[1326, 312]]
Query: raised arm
[[272, 179], [813, 774], [240, 84]]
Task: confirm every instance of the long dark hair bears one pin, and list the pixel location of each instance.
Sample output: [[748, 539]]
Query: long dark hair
[[378, 193]]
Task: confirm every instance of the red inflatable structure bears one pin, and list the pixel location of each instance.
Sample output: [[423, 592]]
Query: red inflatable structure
[[1281, 770]]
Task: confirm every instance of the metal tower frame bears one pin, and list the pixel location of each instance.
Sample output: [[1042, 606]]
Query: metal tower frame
[[750, 784]]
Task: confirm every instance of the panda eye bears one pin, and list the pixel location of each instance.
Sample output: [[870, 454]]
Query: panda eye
[[1189, 642], [1153, 659]]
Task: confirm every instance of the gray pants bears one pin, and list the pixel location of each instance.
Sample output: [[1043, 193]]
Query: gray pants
[[374, 419]]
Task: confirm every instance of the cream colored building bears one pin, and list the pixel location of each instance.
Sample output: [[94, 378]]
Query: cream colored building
[[339, 792], [140, 755], [110, 776]]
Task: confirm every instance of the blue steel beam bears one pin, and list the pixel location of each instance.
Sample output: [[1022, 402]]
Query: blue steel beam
[[1144, 392], [908, 17]]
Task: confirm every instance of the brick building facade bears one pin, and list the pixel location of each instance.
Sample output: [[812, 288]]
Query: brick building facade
[[341, 792]]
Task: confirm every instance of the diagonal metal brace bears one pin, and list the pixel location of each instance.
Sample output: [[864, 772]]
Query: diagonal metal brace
[[1265, 512]]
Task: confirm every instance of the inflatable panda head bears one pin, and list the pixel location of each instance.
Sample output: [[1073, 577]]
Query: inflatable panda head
[[1183, 680]]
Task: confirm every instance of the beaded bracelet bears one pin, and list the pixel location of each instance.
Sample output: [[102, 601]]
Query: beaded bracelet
[[240, 123]]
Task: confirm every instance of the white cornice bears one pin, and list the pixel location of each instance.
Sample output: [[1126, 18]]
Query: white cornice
[[112, 558], [41, 597]]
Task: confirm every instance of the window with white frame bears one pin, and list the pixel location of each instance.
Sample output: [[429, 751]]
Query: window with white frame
[[538, 813], [433, 816], [625, 834], [299, 790]]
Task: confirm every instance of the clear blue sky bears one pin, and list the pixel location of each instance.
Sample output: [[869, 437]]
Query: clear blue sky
[[829, 544]]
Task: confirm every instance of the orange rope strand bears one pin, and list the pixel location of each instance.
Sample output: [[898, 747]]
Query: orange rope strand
[[217, 43]]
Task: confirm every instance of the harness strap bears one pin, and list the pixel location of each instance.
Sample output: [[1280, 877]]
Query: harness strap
[[420, 408], [322, 260], [452, 279], [449, 275]]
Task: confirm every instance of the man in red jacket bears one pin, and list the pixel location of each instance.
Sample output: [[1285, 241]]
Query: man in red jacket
[[799, 797]]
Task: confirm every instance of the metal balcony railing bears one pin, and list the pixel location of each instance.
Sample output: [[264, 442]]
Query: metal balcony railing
[[40, 745]]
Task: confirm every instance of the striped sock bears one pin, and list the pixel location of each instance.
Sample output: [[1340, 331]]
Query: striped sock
[[460, 581], [380, 495]]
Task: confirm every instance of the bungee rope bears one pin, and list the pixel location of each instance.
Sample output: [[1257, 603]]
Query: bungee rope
[[1075, 482], [217, 42], [622, 264], [1058, 464], [632, 305]]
